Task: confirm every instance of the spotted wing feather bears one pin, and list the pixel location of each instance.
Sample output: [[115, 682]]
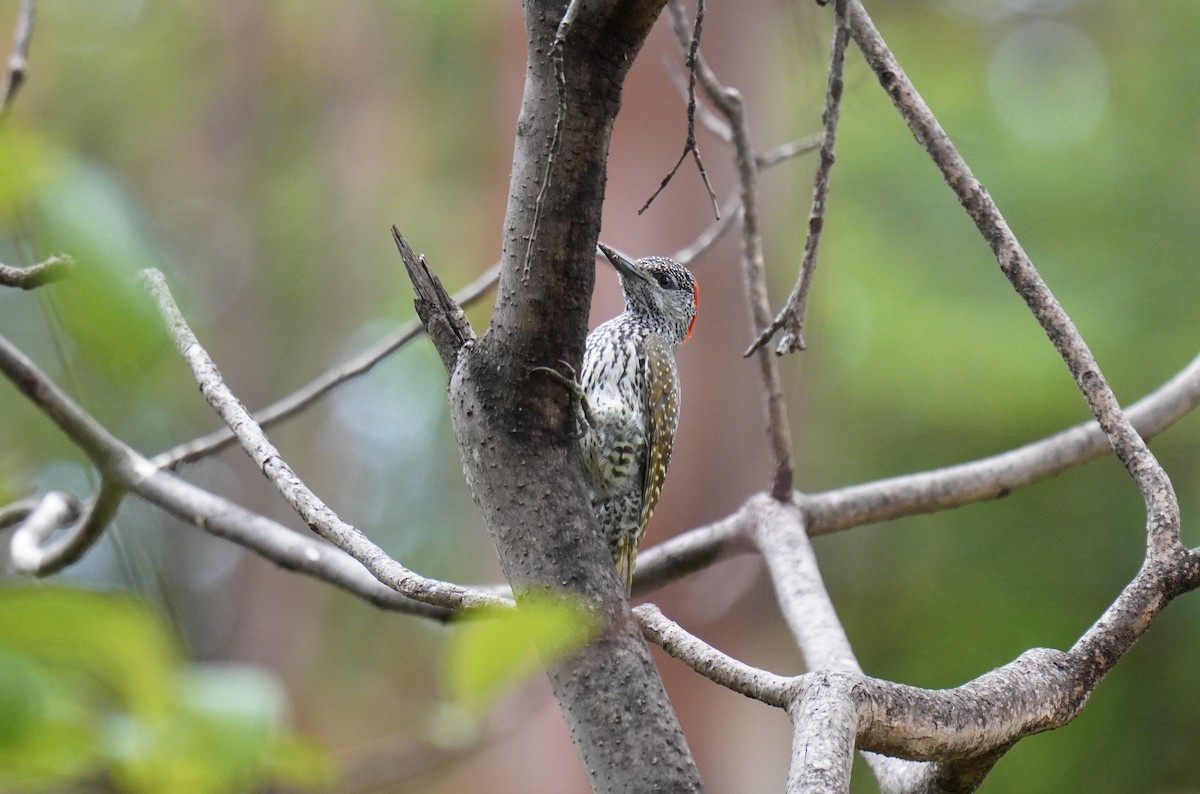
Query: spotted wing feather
[[662, 419]]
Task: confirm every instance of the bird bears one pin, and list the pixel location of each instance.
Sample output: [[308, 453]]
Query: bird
[[628, 397]]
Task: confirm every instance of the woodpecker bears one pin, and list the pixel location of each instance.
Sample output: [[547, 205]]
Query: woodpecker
[[628, 398]]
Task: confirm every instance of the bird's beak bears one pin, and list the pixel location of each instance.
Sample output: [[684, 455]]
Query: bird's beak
[[622, 265]]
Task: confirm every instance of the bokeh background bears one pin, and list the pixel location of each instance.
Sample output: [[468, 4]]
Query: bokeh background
[[259, 152]]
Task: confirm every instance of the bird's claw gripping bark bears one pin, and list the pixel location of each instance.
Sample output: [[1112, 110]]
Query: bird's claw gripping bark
[[570, 382]]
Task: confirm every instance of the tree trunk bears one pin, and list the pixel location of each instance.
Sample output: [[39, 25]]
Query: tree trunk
[[512, 424]]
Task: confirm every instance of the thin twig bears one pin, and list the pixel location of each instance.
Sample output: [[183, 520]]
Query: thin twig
[[690, 145], [18, 59], [711, 234], [711, 121], [729, 212], [791, 318], [56, 268], [774, 690], [316, 514], [1162, 508], [728, 102], [786, 151], [323, 384]]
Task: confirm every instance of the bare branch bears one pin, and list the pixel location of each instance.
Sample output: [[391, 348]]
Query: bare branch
[[774, 690], [791, 318], [834, 708], [690, 145], [18, 59], [59, 511], [323, 384], [55, 268], [714, 123], [1162, 508], [824, 718], [442, 317], [728, 102], [729, 212], [319, 517], [778, 532], [1128, 618], [692, 551], [824, 724], [786, 151]]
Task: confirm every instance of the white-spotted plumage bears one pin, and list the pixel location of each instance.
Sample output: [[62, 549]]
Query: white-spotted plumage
[[631, 389]]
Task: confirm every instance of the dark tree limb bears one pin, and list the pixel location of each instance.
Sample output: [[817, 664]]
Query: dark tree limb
[[442, 317], [514, 427]]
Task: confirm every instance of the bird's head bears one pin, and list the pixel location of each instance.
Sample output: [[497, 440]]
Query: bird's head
[[659, 291]]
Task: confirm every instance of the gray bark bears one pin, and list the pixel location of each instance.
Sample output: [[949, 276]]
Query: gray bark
[[513, 425]]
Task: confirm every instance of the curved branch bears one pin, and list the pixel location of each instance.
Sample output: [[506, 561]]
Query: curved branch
[[214, 514], [774, 690], [31, 549], [1162, 508], [323, 384], [319, 517]]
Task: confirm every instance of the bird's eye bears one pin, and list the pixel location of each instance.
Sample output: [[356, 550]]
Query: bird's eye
[[663, 280]]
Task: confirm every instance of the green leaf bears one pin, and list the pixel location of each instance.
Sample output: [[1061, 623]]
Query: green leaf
[[493, 650], [91, 216], [226, 732], [120, 643], [28, 164], [94, 681]]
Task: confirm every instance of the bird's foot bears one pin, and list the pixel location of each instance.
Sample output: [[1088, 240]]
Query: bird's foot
[[570, 382]]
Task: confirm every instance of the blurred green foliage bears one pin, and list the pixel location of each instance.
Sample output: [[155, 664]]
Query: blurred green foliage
[[93, 687], [489, 653]]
